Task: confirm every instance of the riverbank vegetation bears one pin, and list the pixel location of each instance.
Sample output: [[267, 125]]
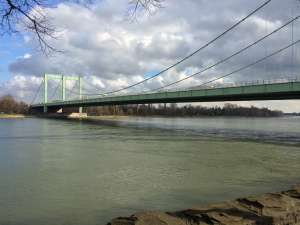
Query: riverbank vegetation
[[184, 111], [9, 105]]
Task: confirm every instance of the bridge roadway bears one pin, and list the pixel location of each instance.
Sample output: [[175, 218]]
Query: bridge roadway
[[274, 91]]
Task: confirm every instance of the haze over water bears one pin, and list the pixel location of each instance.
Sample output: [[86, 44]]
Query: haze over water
[[56, 172]]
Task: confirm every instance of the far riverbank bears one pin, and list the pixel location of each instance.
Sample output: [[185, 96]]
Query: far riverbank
[[12, 116]]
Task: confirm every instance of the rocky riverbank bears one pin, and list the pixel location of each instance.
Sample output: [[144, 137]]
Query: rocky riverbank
[[269, 209]]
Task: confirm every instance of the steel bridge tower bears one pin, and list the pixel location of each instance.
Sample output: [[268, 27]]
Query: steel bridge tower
[[63, 80]]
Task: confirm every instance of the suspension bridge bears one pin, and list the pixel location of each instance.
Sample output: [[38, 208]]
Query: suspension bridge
[[257, 91], [284, 89]]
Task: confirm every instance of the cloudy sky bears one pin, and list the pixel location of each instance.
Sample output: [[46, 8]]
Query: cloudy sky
[[112, 49]]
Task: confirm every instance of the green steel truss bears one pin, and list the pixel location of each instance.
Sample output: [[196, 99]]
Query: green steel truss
[[63, 79]]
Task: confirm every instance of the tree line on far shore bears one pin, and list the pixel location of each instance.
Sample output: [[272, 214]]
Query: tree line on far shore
[[10, 105], [184, 111]]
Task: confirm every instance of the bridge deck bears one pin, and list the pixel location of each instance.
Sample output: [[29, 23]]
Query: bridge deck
[[278, 91]]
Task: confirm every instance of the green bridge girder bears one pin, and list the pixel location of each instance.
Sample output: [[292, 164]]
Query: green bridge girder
[[276, 91]]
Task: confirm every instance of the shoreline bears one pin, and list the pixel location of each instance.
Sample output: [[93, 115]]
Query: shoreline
[[12, 116], [279, 208], [112, 117], [83, 116]]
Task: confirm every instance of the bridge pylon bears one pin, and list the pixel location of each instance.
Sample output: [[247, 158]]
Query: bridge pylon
[[63, 81]]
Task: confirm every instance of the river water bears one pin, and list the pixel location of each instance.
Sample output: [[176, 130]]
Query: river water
[[58, 172]]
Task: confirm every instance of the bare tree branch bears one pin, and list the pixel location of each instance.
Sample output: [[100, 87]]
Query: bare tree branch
[[32, 16], [149, 6], [31, 13]]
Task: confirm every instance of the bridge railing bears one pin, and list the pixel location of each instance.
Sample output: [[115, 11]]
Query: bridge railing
[[237, 84]]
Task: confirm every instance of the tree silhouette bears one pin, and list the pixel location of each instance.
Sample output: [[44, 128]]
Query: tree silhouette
[[9, 105], [31, 16], [147, 5], [185, 111]]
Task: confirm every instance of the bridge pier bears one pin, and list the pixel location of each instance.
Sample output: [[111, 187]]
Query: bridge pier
[[70, 110], [59, 112]]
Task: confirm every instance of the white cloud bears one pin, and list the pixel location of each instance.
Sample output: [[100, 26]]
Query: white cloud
[[111, 51], [27, 56], [21, 87]]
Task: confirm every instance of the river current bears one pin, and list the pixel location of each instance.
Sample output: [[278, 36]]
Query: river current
[[58, 172]]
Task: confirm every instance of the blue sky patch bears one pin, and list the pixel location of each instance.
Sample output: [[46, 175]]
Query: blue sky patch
[[11, 47]]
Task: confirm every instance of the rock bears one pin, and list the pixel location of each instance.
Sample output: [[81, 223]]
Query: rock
[[269, 209]]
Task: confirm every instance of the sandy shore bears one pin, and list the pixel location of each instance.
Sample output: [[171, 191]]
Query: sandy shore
[[78, 116], [106, 117], [281, 208], [12, 116]]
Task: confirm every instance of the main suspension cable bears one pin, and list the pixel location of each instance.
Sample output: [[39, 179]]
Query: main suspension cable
[[222, 60], [251, 64], [229, 57], [36, 93], [191, 54]]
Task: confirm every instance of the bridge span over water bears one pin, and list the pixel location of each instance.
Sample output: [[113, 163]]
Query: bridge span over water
[[256, 91], [284, 90]]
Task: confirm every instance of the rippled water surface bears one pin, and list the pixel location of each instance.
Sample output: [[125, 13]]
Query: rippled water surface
[[56, 172]]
